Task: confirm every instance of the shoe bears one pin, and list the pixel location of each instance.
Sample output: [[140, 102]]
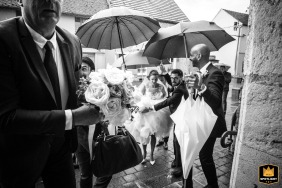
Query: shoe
[[160, 143], [143, 161], [173, 165], [153, 162], [165, 146], [177, 172]]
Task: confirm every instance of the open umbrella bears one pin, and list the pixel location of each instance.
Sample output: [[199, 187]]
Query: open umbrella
[[176, 41], [218, 65], [117, 27], [135, 60]]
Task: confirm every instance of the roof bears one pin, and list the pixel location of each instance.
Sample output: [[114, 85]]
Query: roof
[[84, 8], [162, 10], [165, 10], [9, 4], [241, 17]]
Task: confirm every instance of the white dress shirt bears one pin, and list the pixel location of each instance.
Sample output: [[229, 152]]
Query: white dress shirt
[[40, 43]]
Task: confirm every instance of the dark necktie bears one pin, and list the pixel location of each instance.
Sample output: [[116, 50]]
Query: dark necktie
[[51, 68]]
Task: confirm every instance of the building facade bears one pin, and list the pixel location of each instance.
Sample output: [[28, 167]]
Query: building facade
[[233, 53]]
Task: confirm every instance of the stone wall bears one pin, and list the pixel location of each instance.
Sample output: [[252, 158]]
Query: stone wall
[[259, 138]]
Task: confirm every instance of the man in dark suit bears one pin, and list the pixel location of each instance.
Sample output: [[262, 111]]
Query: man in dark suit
[[179, 90], [211, 90], [38, 105], [227, 80]]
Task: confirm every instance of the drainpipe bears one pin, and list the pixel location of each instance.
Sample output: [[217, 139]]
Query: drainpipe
[[237, 48]]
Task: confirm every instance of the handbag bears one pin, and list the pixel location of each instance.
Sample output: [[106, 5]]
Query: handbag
[[115, 153]]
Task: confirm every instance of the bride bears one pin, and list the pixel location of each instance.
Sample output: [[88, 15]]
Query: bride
[[155, 123]]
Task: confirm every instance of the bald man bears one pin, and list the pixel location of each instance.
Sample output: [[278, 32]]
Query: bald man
[[211, 90]]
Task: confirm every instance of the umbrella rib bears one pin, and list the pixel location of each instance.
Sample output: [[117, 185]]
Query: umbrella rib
[[208, 39], [87, 25], [92, 33], [129, 31], [145, 25], [111, 36], [103, 32]]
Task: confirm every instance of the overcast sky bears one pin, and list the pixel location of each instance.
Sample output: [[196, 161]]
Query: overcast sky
[[207, 9]]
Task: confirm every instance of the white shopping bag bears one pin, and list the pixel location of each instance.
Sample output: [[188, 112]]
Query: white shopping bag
[[194, 121]]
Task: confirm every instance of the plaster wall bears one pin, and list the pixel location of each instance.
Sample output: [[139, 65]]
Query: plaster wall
[[259, 140]]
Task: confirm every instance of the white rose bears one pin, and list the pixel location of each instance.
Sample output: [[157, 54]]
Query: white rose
[[129, 76], [114, 76], [112, 107], [97, 93]]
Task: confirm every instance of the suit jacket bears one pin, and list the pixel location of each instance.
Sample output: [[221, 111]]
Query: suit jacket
[[213, 97], [227, 80], [29, 118], [175, 99]]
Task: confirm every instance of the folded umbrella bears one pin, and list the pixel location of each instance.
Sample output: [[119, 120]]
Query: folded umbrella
[[194, 121]]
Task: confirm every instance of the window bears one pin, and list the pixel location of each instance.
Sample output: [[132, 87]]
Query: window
[[78, 22]]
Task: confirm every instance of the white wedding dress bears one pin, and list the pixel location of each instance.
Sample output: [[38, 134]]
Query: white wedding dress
[[153, 122]]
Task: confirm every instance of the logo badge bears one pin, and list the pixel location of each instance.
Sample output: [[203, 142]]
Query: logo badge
[[268, 174]]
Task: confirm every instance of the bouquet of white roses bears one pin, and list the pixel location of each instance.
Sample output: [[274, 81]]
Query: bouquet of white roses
[[112, 91]]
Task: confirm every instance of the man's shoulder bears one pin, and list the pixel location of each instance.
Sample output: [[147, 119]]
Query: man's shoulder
[[181, 88], [67, 35], [8, 26]]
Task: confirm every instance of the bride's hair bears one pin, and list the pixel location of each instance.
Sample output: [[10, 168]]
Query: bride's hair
[[153, 72]]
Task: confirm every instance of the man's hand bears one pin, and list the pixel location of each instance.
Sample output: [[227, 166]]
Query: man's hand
[[145, 110], [162, 69], [193, 81], [86, 115]]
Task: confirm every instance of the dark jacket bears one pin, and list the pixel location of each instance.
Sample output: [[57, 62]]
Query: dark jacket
[[213, 97], [29, 118], [227, 80], [175, 99]]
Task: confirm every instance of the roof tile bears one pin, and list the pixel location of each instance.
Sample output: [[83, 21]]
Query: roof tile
[[84, 8], [158, 9], [9, 4], [241, 17]]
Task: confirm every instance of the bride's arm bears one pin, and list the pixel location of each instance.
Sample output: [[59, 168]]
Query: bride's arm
[[142, 89], [163, 90]]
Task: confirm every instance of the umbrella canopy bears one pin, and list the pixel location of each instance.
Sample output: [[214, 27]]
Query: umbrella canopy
[[136, 60], [177, 41], [218, 65], [117, 27]]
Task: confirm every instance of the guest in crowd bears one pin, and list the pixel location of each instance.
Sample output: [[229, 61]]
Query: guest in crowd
[[38, 105], [166, 81], [82, 152], [211, 90], [227, 80]]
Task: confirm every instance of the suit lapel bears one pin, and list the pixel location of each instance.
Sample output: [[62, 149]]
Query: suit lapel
[[68, 65], [33, 53], [208, 69]]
